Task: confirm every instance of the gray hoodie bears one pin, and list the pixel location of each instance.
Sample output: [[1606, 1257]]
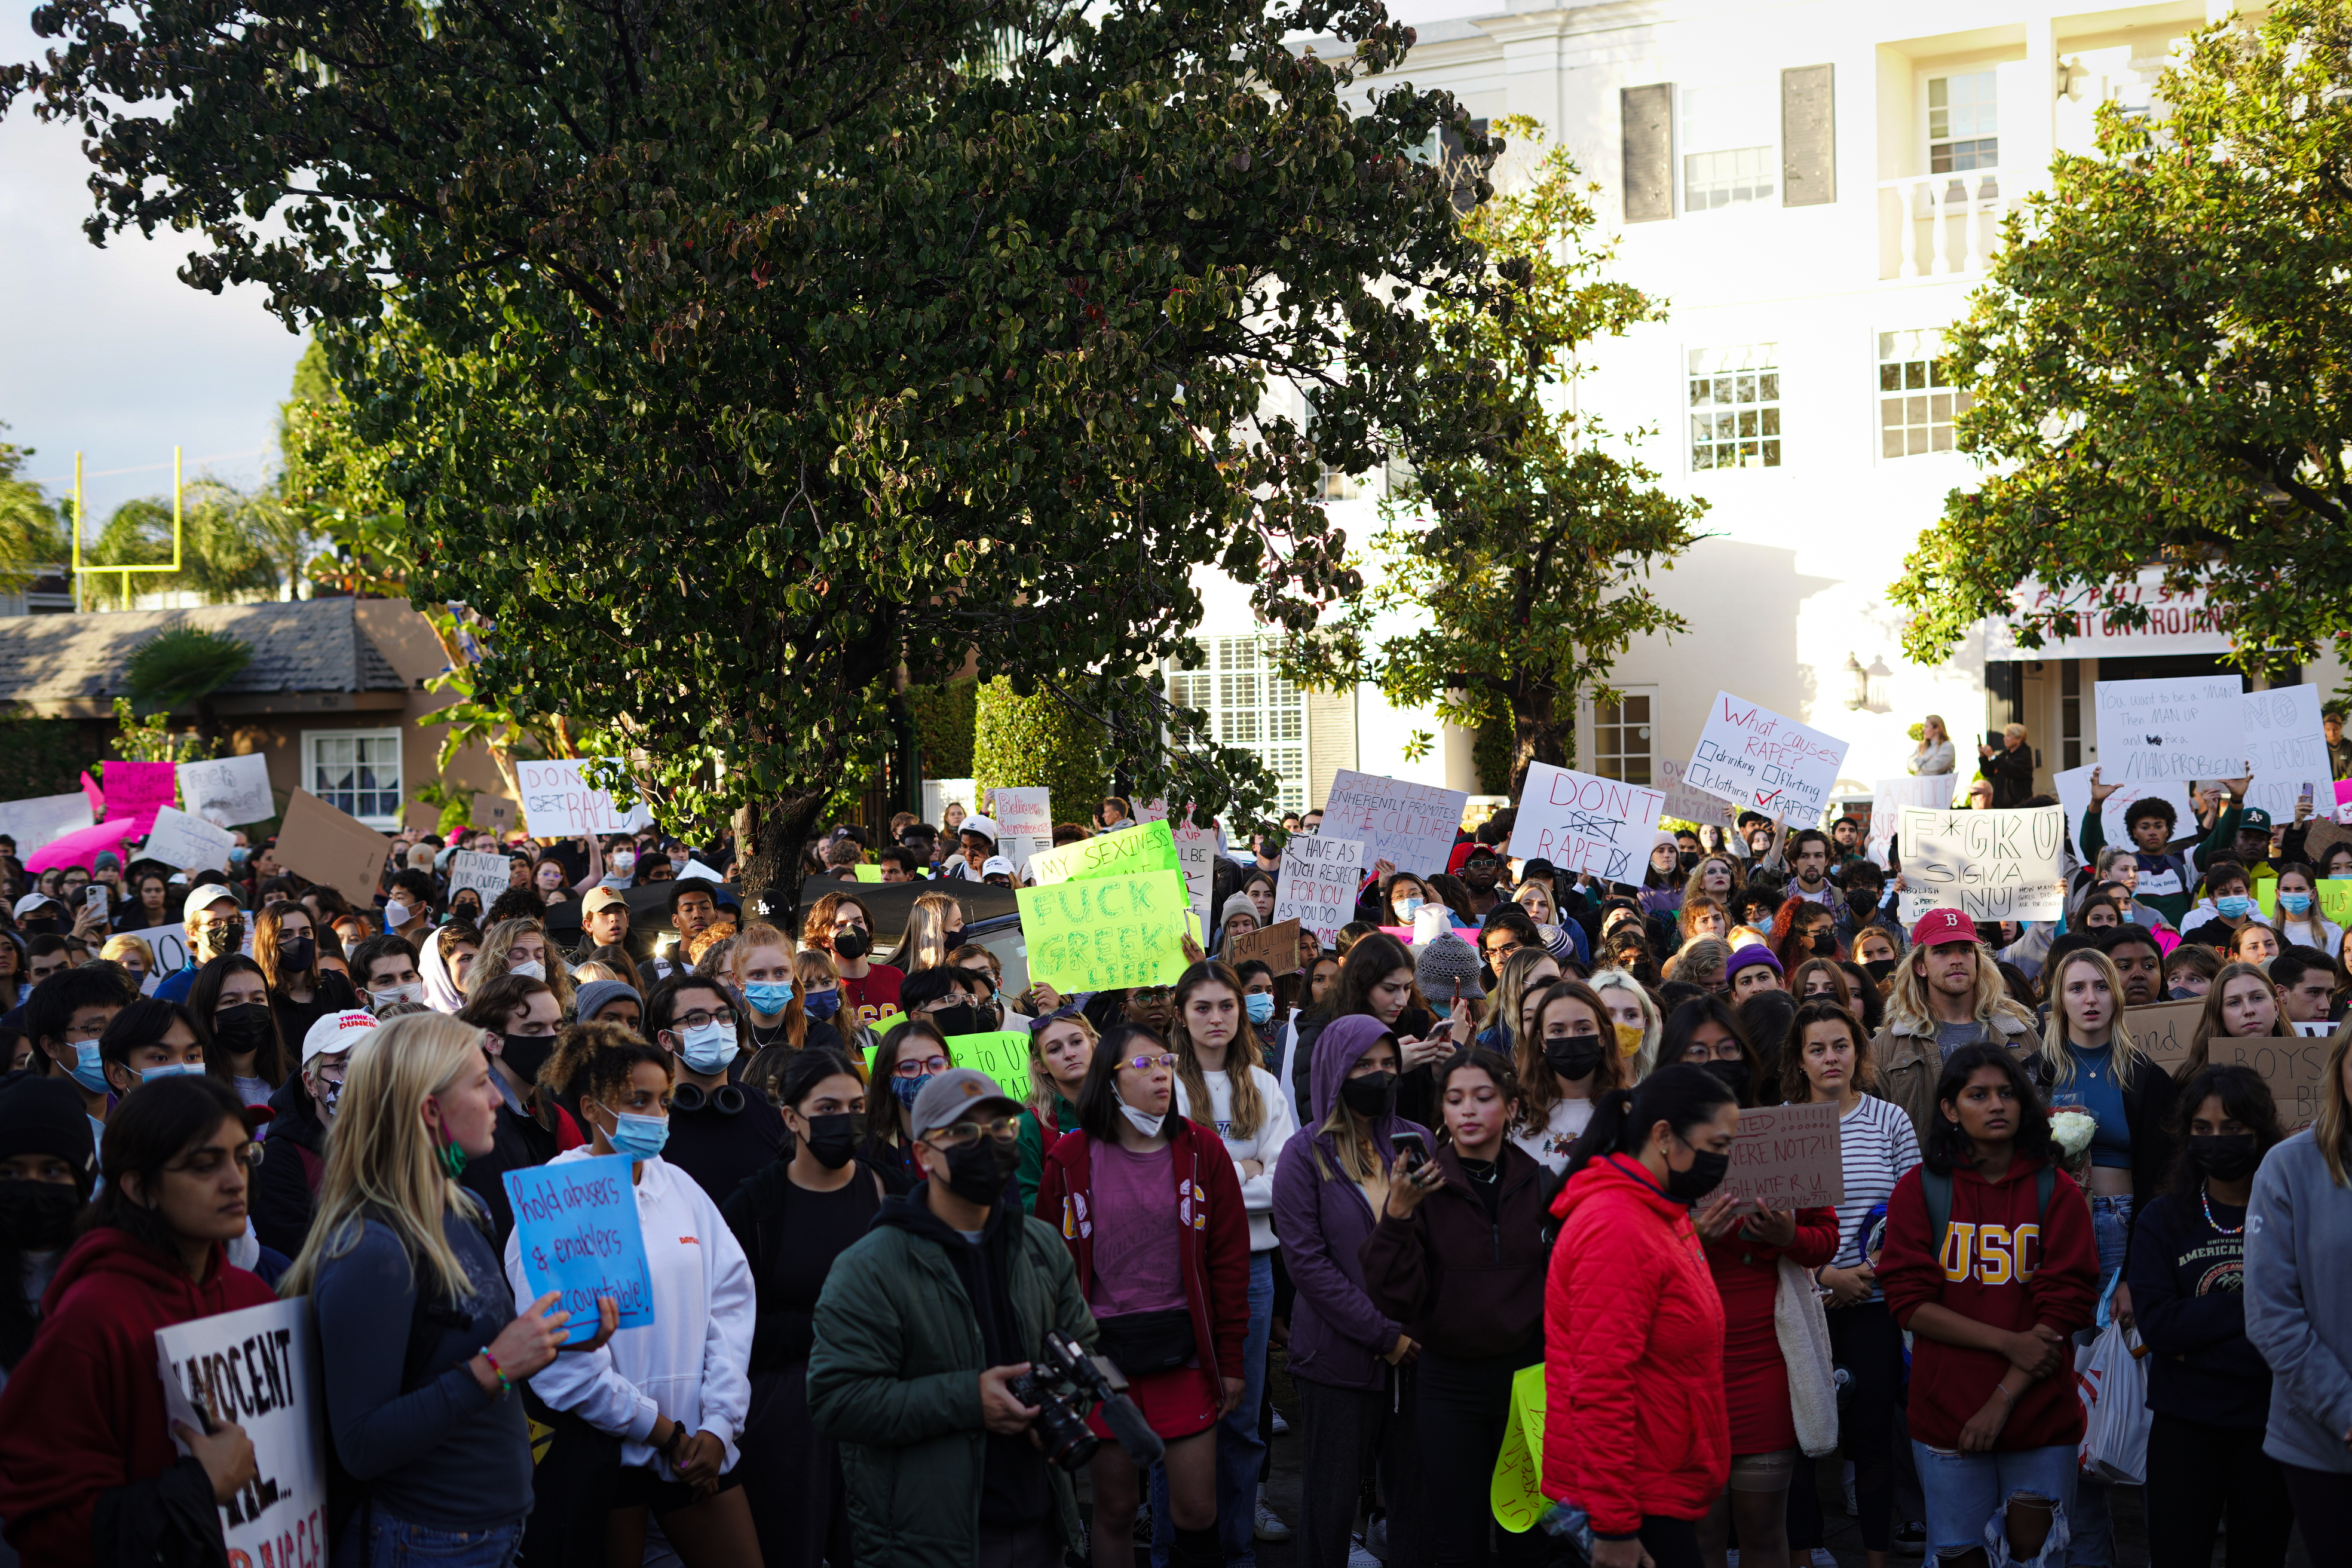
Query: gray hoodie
[[2299, 1304]]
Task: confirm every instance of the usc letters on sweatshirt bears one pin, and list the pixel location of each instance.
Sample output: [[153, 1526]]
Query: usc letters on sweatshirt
[[2005, 1263]]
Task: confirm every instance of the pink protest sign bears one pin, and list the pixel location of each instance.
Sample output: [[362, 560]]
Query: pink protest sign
[[138, 791], [82, 847]]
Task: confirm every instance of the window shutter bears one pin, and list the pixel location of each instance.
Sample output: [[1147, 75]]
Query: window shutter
[[1649, 120], [1808, 136]]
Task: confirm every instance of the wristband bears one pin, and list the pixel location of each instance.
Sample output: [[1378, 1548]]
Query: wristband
[[505, 1387], [2003, 1389]]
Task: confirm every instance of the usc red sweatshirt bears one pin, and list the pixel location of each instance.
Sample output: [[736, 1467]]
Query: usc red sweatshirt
[[2003, 1263]]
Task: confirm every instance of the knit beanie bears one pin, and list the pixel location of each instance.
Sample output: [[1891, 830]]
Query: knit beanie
[[1749, 957], [598, 993], [1448, 968], [1239, 904], [44, 1116]]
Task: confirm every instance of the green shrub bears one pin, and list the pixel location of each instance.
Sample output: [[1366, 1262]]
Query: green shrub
[[1023, 742], [944, 717]]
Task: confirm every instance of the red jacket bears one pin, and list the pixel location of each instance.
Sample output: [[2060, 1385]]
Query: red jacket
[[1212, 1233], [83, 1412], [2003, 1263], [1633, 1362]]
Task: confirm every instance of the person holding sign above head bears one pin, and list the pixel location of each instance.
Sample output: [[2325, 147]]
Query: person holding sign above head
[[2167, 867], [1948, 993], [677, 1391], [424, 1350], [87, 1470], [721, 1128]]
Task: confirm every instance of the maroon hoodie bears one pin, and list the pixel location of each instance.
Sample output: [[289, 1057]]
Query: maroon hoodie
[[83, 1413]]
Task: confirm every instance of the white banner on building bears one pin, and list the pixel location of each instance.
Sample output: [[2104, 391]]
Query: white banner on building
[[259, 1368], [2177, 622], [1319, 882], [2175, 727], [1988, 865]]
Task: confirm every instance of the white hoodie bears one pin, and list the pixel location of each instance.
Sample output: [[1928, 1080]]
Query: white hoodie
[[692, 1362], [1273, 1131]]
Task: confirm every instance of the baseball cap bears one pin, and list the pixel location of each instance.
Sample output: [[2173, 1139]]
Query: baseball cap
[[996, 866], [984, 826], [336, 1033], [1938, 928], [2256, 818], [601, 899], [28, 904], [205, 895], [947, 1098]]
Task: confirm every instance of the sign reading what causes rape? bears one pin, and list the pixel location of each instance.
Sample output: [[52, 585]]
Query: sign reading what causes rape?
[[576, 1232], [1580, 823], [1988, 865], [1106, 934], [1756, 758], [258, 1367]]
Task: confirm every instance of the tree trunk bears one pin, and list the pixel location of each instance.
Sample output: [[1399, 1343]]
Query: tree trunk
[[768, 839], [1539, 736]]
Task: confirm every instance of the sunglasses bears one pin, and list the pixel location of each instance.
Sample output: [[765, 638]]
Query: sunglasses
[[1144, 1063]]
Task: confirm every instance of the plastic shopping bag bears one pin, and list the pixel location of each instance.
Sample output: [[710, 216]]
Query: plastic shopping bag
[[2114, 1447]]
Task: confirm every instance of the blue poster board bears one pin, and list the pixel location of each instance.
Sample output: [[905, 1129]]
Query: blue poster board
[[576, 1231]]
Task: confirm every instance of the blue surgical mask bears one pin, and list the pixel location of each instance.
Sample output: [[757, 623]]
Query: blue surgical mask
[[707, 1049], [638, 1137], [89, 1068], [820, 1004], [1404, 915], [767, 998], [1260, 1004], [2234, 906], [2294, 903]]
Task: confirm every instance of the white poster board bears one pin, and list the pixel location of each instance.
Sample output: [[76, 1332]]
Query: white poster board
[[170, 946], [1763, 761], [1318, 885], [1889, 796], [2283, 733], [489, 875], [1411, 826], [42, 820], [2177, 727], [1580, 821], [2074, 787], [191, 842], [227, 791], [1196, 855], [1988, 865], [1022, 814], [259, 1368], [557, 802]]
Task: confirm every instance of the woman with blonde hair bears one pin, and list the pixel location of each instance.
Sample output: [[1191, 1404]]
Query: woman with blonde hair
[[130, 952], [1510, 1006], [1535, 895], [1717, 876], [1636, 1014], [1701, 963], [440, 1439], [1061, 1049], [1935, 754], [521, 947], [934, 930], [2242, 1003]]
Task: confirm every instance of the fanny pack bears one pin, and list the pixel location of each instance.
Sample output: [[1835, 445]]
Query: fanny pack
[[1141, 1342]]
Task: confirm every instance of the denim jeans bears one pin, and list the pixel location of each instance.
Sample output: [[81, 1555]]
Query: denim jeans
[[1241, 1451], [1964, 1491], [395, 1543]]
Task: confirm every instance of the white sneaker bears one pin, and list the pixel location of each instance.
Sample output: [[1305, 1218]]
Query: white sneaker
[[1269, 1526], [1824, 1558], [1279, 1426], [1360, 1556]]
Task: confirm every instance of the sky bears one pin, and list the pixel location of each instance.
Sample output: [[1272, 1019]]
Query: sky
[[106, 350]]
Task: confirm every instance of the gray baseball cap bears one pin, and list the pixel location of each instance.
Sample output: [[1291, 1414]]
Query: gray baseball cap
[[954, 1094]]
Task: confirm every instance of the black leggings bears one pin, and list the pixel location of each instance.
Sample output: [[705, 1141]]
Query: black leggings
[[1671, 1542], [2323, 1507], [1864, 1340], [1463, 1407], [2194, 1472]]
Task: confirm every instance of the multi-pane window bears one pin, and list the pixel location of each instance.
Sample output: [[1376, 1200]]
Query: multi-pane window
[[1728, 135], [1621, 738], [1916, 399], [356, 771], [1960, 123], [1735, 407], [1251, 705]]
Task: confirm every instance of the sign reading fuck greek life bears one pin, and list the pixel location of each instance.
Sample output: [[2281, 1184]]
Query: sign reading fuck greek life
[[2178, 727], [1988, 865], [1758, 759], [576, 1232]]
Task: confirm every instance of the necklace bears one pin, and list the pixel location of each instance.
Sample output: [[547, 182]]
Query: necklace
[[2205, 1197]]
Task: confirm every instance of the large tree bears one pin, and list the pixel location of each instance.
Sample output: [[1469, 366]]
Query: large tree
[[2160, 363], [738, 362], [1513, 568]]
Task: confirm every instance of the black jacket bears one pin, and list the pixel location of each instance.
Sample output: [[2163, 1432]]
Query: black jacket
[[1464, 1283], [523, 1140], [286, 1181], [2011, 773], [759, 1212], [722, 1139], [2188, 1283]]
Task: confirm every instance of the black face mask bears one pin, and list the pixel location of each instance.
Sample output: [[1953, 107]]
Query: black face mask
[[961, 1019], [525, 1053], [243, 1028], [1369, 1096], [1706, 1173], [37, 1217], [40, 925], [297, 959], [1572, 1057], [831, 1139], [978, 1175], [2226, 1156], [1878, 968], [219, 943], [1863, 901], [850, 943], [1734, 1074]]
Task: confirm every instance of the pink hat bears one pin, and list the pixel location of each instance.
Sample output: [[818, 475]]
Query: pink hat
[[1937, 928]]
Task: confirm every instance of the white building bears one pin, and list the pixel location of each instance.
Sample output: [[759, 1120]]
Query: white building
[[1816, 187]]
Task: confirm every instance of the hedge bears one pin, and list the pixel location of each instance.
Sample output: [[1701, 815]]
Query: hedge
[[1023, 742]]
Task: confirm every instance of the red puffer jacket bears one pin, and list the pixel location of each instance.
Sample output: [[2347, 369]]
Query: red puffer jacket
[[1634, 1363]]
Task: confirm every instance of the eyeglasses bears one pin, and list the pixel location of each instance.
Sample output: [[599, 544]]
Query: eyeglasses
[[964, 1134], [919, 1067], [1150, 993], [1143, 1064], [207, 1162], [698, 1018]]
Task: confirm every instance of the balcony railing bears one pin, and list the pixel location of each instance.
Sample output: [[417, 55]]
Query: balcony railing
[[1941, 225]]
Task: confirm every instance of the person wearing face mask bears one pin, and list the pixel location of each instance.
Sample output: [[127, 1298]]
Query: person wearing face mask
[[1566, 1063], [840, 925], [520, 1022], [408, 907], [48, 1169], [243, 1046], [620, 868], [2229, 904], [519, 947], [2208, 1389], [301, 1111], [1633, 1325], [793, 1219], [300, 991], [675, 1392], [819, 985], [760, 966], [66, 1017], [721, 1128], [385, 970], [150, 1041], [908, 1058], [214, 923], [944, 998]]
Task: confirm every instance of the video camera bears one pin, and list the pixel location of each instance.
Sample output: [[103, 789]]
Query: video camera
[[1063, 1383]]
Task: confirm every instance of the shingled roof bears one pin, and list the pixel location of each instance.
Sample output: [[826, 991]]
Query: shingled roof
[[305, 644]]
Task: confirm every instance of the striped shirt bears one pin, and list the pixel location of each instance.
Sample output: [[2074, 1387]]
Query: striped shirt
[[1877, 1146]]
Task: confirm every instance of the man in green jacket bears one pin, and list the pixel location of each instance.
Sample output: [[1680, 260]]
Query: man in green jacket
[[922, 1326]]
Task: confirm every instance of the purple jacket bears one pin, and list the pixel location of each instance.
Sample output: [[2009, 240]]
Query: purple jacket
[[1337, 1335]]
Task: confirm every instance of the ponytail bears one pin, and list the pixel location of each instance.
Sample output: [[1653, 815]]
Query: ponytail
[[1678, 1094]]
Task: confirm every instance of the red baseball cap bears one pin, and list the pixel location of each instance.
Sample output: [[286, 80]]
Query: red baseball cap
[[1937, 928]]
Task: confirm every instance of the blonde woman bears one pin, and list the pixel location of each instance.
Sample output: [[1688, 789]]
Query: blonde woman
[[442, 1437], [2008, 768], [1935, 754], [1635, 1013], [130, 952], [761, 968], [2242, 1003], [1716, 875], [934, 930], [1510, 1008], [1536, 897], [1061, 1049], [521, 947]]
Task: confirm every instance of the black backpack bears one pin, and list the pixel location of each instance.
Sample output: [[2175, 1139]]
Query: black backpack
[[346, 1494]]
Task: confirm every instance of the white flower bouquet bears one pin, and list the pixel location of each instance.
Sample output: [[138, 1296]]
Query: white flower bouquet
[[2072, 1131]]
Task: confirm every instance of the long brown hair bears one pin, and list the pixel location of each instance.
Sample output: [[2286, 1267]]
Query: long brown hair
[[1243, 1054], [2209, 1022], [1792, 1050], [2332, 1129], [265, 944], [1538, 1092]]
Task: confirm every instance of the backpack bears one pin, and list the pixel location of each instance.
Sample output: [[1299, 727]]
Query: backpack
[[1938, 1191]]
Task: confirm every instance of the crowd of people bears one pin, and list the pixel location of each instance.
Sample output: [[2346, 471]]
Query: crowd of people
[[901, 1306]]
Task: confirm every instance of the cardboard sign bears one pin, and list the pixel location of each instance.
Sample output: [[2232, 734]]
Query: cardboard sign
[[2294, 1068], [2322, 837], [576, 1232], [1106, 934], [1320, 876], [1988, 865], [227, 791], [332, 846], [44, 819], [2281, 732], [1022, 813], [139, 790], [1411, 826], [2162, 1030], [1761, 760], [1515, 1493], [1276, 946], [1684, 804], [489, 875], [191, 842], [2073, 790], [2179, 727], [1787, 1157], [557, 802], [258, 1367], [1133, 852], [1887, 799], [1002, 1054], [1196, 857], [1580, 821]]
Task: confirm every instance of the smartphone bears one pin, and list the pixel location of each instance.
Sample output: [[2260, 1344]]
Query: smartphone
[[1408, 1149], [93, 897]]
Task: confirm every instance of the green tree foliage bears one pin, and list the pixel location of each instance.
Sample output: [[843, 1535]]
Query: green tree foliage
[[2159, 363], [153, 739], [1036, 741], [41, 756], [182, 666], [228, 548], [333, 482], [729, 358], [944, 717], [1513, 569], [31, 533]]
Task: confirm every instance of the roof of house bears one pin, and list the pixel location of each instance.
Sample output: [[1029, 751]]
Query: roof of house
[[304, 645]]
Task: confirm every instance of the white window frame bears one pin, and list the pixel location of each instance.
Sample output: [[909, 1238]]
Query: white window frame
[[310, 780], [1209, 689], [1688, 145], [1736, 364], [1880, 395], [1590, 758]]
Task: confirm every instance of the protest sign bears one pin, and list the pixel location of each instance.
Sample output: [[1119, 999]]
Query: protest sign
[[2318, 1029], [2294, 1067], [2281, 732], [1516, 1492], [1684, 804], [188, 842], [136, 791], [1022, 814], [1276, 946], [2161, 1030], [1106, 934], [865, 873], [332, 846], [227, 791], [258, 1367], [1135, 852], [558, 803], [2343, 802], [43, 819], [1887, 799], [1787, 1157], [1318, 885], [1988, 865], [2279, 794], [2336, 900], [1196, 857], [1002, 1054], [2176, 727], [489, 875], [1758, 759], [576, 1231], [2073, 791], [1580, 823], [170, 946], [1411, 826], [2322, 837]]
